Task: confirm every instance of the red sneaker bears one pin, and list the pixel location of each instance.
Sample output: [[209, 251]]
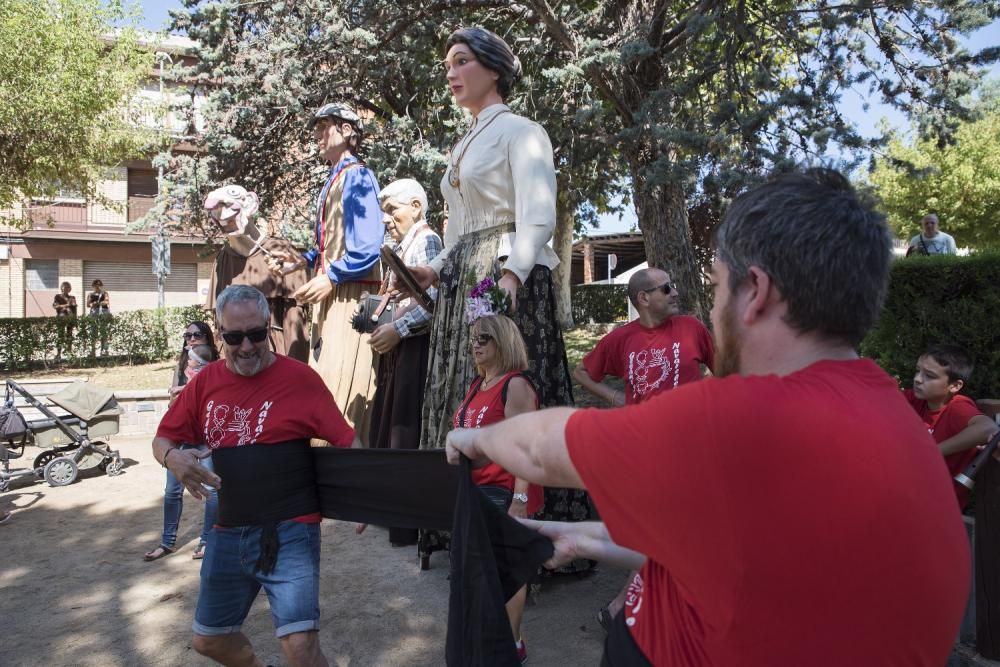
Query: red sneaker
[[522, 651]]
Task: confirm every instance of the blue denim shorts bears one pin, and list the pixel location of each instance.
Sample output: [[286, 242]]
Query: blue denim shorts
[[229, 583]]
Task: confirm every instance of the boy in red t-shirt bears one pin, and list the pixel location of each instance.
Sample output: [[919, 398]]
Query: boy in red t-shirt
[[953, 419]]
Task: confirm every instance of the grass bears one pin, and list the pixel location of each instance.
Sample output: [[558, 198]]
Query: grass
[[156, 375], [579, 342]]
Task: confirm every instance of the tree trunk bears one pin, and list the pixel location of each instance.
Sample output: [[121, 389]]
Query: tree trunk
[[662, 212], [562, 243]]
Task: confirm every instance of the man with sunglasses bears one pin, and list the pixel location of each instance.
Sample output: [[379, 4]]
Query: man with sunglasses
[[257, 411], [791, 511], [660, 350]]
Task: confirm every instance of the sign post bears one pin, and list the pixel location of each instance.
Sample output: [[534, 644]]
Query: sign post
[[161, 266], [612, 263]]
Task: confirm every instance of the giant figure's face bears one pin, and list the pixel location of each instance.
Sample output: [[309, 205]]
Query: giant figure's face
[[231, 207]]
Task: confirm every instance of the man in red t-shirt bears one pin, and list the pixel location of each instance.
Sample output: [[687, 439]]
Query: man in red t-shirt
[[793, 511], [659, 351], [257, 401], [953, 420]]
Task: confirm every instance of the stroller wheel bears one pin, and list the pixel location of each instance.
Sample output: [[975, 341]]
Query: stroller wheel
[[43, 459], [112, 466], [60, 471]]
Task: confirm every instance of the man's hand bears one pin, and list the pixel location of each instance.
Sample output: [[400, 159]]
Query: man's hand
[[315, 290], [463, 441], [509, 283], [384, 338], [187, 468], [282, 262], [566, 538]]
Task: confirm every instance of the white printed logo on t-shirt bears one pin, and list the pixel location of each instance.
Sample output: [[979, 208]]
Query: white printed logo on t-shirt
[[649, 368]]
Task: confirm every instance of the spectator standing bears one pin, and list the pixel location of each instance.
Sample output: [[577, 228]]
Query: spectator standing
[[64, 302], [198, 342], [931, 240], [99, 305]]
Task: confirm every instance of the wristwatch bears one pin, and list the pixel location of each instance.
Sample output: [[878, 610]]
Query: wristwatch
[[520, 497]]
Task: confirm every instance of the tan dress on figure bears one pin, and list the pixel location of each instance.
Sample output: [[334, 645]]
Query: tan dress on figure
[[341, 355]]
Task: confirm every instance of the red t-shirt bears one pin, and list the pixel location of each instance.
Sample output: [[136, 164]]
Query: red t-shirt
[[482, 407], [798, 520], [652, 360], [945, 422], [286, 401]]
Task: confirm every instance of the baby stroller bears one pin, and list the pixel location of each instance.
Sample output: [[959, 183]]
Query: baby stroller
[[70, 441]]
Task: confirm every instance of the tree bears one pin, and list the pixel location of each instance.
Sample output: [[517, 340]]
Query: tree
[[65, 89], [960, 181]]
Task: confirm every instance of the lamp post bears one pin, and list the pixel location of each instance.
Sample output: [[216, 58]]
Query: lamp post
[[161, 245]]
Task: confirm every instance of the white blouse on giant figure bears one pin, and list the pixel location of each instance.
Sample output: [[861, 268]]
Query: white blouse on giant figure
[[506, 175]]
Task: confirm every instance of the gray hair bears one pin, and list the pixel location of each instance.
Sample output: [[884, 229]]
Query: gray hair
[[402, 192], [826, 248], [239, 294], [492, 53]]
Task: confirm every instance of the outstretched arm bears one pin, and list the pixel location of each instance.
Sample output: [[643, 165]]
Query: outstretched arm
[[980, 429], [584, 539], [530, 446]]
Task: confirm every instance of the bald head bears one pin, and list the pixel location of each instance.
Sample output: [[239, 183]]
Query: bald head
[[644, 280]]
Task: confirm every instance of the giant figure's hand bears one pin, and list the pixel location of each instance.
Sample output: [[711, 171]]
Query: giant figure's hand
[[509, 283], [187, 468], [283, 262], [315, 290], [384, 338]]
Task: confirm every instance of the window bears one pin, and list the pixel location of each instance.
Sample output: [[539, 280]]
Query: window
[[41, 274]]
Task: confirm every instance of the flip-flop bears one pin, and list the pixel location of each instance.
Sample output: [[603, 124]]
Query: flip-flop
[[199, 551], [152, 555]]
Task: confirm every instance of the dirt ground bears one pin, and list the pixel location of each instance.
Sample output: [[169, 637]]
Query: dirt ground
[[74, 589]]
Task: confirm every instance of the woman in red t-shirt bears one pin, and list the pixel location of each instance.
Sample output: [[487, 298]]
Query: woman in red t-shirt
[[501, 391]]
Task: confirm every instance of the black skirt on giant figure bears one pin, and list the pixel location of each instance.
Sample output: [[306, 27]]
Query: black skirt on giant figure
[[396, 408], [451, 369]]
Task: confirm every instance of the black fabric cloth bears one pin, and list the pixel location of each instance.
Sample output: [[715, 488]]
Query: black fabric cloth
[[492, 557], [620, 649], [395, 413], [387, 487], [263, 484]]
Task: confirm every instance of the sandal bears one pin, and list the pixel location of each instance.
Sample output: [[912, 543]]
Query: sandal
[[199, 551], [157, 553]]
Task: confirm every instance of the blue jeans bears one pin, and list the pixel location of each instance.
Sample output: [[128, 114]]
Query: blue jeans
[[173, 504], [229, 583]]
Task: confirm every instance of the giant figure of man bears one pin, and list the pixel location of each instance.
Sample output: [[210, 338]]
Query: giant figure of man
[[243, 261], [349, 234]]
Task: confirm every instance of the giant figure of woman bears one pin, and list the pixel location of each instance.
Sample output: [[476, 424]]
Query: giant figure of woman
[[500, 186]]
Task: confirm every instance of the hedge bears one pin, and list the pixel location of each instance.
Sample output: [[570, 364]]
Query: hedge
[[599, 303], [942, 299], [132, 336]]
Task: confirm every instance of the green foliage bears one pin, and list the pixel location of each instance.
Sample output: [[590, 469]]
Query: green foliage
[[941, 299], [65, 91], [601, 304], [959, 181], [132, 336]]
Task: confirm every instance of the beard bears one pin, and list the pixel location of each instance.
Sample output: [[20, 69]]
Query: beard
[[728, 357]]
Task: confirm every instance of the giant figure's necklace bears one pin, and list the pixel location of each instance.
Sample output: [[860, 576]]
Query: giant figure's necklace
[[453, 175]]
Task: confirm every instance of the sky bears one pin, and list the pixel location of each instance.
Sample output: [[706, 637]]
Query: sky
[[156, 18]]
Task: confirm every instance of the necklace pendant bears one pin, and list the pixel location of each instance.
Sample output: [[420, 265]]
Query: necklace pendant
[[453, 179]]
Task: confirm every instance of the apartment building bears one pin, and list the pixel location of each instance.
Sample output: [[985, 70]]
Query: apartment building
[[71, 239]]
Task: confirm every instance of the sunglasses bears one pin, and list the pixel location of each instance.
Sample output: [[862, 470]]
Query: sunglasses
[[481, 340], [191, 335], [666, 288], [236, 337]]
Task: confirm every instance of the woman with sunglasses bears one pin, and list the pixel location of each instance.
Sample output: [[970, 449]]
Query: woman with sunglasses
[[499, 391], [195, 334]]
